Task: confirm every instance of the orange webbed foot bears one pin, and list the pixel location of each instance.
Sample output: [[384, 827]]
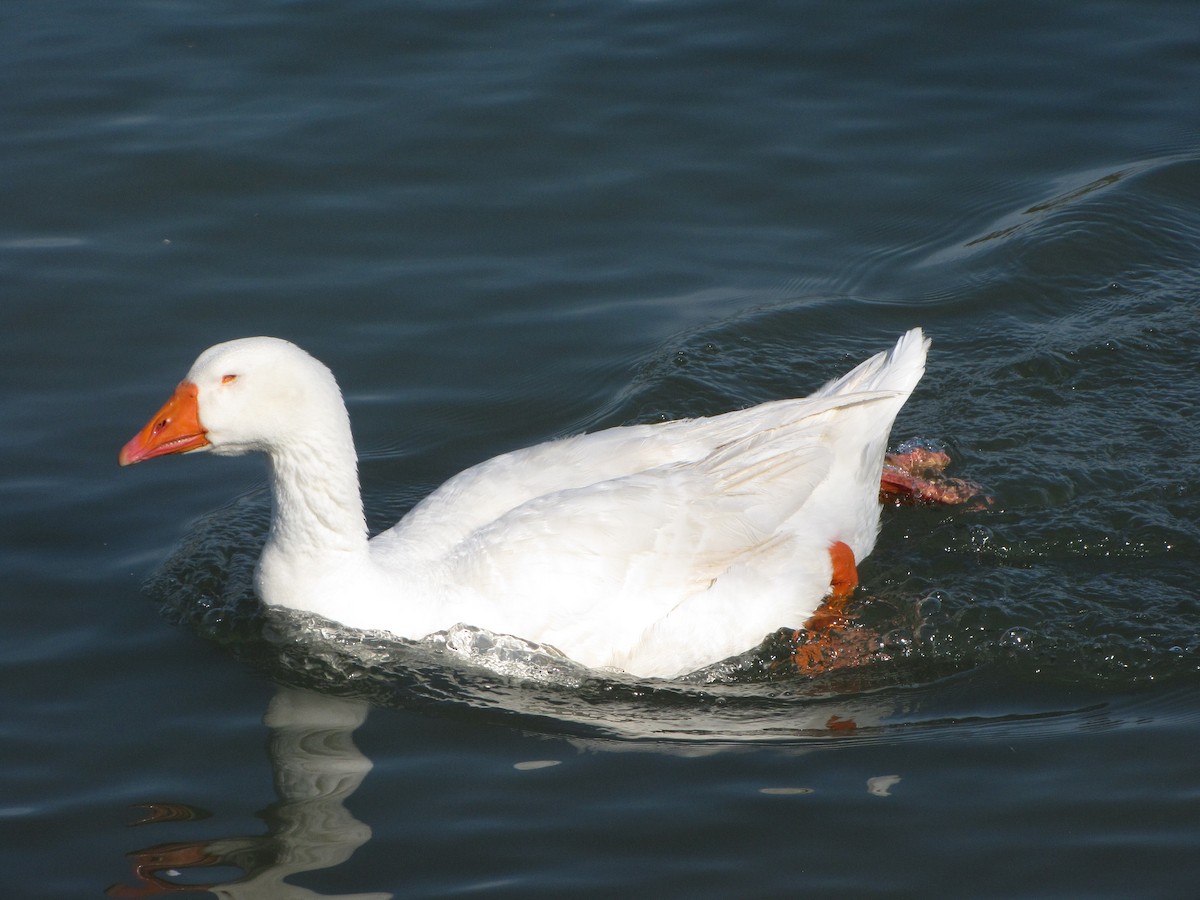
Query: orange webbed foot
[[915, 475], [825, 640]]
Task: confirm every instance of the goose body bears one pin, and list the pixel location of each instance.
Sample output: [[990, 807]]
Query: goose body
[[656, 549]]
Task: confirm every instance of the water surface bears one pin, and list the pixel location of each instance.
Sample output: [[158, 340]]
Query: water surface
[[502, 224]]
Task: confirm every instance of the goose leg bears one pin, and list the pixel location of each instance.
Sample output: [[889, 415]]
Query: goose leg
[[824, 643], [913, 475]]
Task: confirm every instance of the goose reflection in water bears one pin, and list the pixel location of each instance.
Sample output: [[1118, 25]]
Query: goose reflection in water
[[316, 767]]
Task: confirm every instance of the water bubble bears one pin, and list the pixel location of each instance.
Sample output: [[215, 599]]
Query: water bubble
[[981, 537], [1017, 638]]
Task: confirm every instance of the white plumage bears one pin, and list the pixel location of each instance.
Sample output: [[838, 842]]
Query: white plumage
[[656, 549]]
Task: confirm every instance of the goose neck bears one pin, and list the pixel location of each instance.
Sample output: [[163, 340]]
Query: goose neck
[[317, 506]]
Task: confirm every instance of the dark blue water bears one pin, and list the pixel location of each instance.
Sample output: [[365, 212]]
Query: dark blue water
[[502, 223]]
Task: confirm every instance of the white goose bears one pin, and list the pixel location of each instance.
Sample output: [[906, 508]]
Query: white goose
[[657, 549]]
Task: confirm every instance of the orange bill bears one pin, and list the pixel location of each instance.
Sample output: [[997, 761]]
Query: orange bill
[[175, 428]]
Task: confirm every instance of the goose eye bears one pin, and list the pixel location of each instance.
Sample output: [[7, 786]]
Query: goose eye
[[228, 379]]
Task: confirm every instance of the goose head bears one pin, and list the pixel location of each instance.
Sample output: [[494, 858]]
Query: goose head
[[258, 393]]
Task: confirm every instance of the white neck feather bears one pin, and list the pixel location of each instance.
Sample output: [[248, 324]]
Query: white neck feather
[[318, 508]]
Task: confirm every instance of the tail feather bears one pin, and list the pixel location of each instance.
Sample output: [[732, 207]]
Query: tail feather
[[898, 369]]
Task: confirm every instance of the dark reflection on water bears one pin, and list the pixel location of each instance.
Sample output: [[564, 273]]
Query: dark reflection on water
[[315, 768]]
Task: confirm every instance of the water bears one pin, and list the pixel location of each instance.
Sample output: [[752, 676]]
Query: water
[[504, 223]]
